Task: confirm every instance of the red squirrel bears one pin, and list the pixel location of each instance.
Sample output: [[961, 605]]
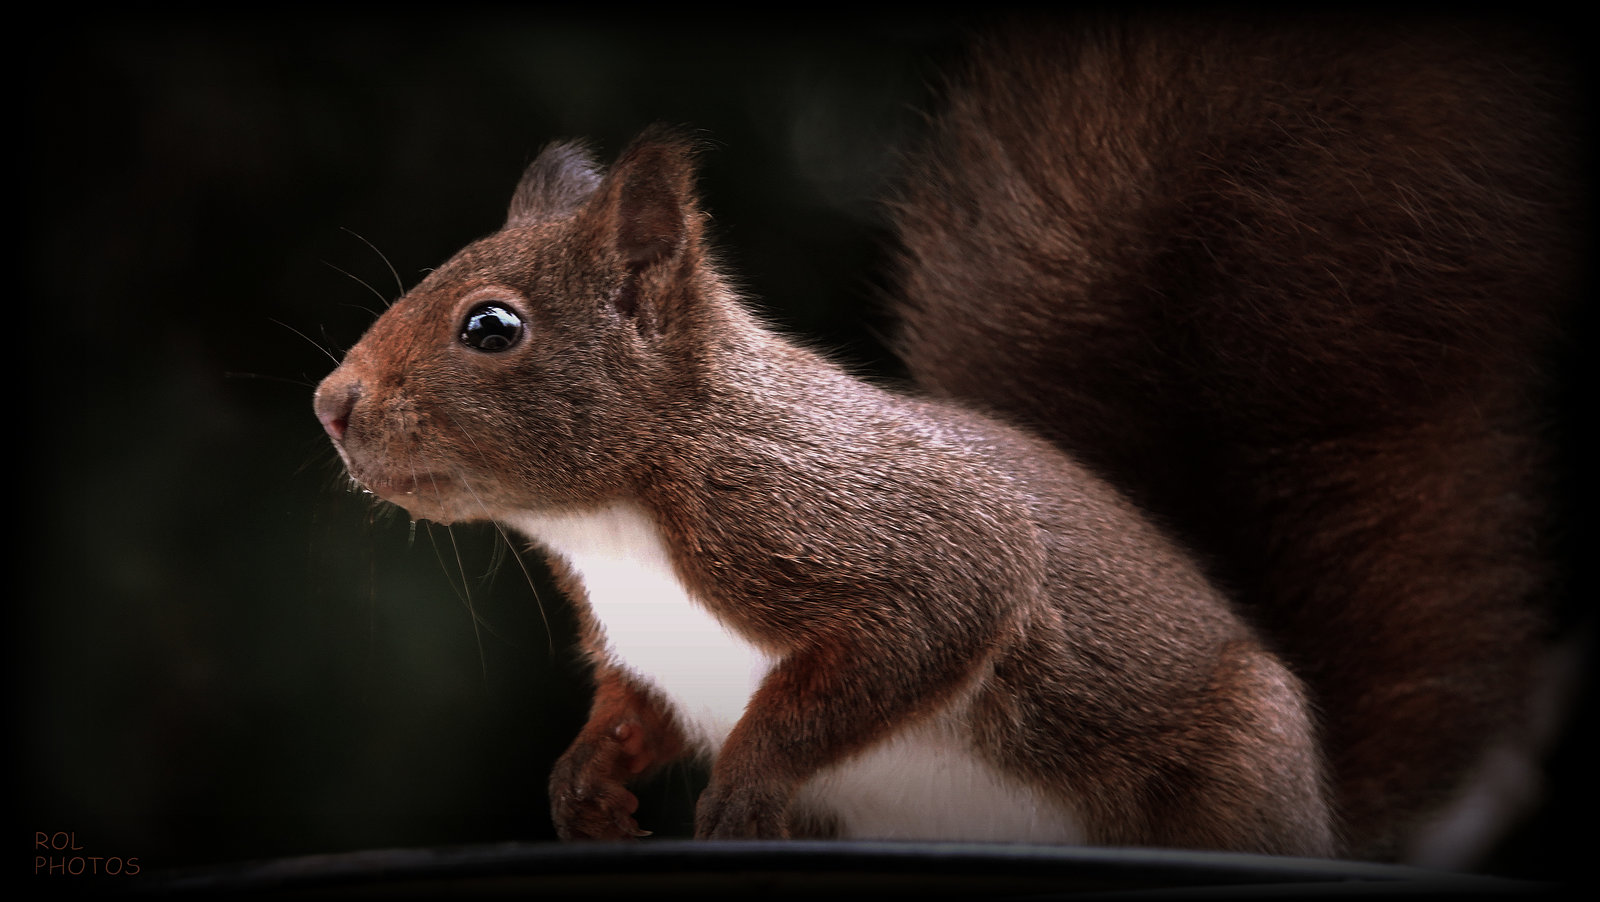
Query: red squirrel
[[1191, 315], [879, 615]]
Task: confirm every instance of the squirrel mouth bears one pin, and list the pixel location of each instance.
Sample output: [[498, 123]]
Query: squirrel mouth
[[425, 495], [397, 486]]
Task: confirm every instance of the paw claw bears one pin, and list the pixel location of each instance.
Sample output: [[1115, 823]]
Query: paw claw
[[588, 797]]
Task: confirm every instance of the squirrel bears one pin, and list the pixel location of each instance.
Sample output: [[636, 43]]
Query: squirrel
[[880, 616], [1216, 382]]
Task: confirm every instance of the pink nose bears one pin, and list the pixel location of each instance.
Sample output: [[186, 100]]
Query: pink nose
[[334, 400]]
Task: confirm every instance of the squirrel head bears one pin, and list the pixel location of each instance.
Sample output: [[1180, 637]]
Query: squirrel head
[[540, 366]]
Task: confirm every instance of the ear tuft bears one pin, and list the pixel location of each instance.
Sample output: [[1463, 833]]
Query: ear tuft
[[554, 185]]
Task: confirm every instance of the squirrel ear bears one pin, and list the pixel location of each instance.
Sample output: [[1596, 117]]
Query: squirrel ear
[[646, 208], [655, 197], [555, 184]]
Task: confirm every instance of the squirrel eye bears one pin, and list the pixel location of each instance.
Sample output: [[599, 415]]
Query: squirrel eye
[[490, 327]]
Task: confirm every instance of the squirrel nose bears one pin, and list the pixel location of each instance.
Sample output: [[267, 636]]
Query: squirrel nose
[[334, 401]]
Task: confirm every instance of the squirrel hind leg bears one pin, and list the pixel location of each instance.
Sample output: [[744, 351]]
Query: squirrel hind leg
[[1270, 783], [1229, 764]]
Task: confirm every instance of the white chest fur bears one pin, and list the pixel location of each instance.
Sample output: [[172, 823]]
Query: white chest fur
[[653, 626], [924, 783]]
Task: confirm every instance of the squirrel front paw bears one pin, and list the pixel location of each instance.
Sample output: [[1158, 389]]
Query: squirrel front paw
[[726, 812], [589, 797]]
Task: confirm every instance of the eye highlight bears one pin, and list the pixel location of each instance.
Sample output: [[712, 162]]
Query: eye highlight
[[491, 327]]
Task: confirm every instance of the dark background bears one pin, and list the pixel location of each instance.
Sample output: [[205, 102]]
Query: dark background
[[219, 651]]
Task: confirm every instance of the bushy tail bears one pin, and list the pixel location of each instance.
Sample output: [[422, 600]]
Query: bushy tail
[[1291, 286]]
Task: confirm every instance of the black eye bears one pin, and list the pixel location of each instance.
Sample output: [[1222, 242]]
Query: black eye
[[490, 327]]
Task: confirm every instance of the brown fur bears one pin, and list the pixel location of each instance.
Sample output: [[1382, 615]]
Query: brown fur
[[1291, 286], [897, 557]]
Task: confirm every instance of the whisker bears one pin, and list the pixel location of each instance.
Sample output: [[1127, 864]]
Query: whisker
[[549, 638], [477, 634], [463, 591], [398, 284], [364, 309], [301, 382], [314, 343], [362, 282], [497, 559]]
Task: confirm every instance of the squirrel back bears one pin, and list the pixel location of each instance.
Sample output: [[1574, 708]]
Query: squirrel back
[[1292, 287]]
